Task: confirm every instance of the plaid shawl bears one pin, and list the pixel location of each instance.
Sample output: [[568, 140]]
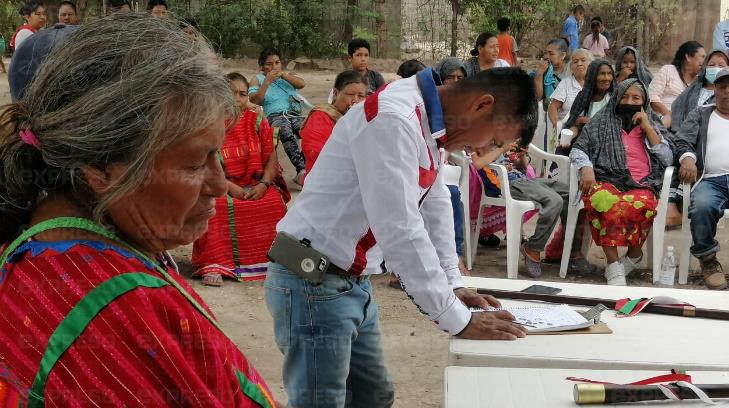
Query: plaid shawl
[[602, 141], [640, 72], [583, 100]]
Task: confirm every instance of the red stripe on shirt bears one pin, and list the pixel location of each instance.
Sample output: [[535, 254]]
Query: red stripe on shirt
[[360, 253]]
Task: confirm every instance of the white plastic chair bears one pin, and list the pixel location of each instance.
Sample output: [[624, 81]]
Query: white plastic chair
[[515, 209], [461, 161], [655, 240], [686, 239]]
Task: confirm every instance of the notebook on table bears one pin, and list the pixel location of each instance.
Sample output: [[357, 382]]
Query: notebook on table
[[549, 318]]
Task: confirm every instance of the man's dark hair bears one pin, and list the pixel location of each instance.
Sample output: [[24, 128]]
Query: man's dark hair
[[29, 7], [349, 77], [578, 9], [356, 44], [597, 18], [152, 3], [410, 68], [67, 3], [503, 24], [267, 52], [514, 95], [236, 76]]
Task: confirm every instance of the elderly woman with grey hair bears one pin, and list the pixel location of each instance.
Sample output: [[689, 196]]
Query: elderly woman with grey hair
[[109, 161]]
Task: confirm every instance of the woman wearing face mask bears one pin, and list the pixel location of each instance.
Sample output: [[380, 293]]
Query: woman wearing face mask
[[621, 156], [350, 87], [629, 64], [699, 93]]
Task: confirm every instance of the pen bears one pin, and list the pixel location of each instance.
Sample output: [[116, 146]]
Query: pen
[[522, 324]]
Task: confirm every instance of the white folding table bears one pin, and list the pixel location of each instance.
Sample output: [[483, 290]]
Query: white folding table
[[646, 341], [490, 387]]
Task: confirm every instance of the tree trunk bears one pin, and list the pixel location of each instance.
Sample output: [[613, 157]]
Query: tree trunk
[[456, 11], [351, 13], [381, 29]]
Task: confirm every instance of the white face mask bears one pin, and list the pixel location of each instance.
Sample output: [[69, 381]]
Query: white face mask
[[711, 73]]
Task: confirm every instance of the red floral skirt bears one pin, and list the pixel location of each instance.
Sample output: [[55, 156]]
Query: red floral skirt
[[620, 219]]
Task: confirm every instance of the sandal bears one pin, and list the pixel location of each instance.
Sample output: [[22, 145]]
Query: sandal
[[212, 279], [534, 268]]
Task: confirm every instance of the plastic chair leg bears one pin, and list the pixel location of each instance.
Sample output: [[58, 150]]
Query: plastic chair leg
[[514, 219]]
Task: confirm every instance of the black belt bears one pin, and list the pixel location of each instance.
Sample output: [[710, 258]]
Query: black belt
[[335, 270]]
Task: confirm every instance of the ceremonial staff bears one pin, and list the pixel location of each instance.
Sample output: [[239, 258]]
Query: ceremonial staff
[[686, 311], [588, 394]]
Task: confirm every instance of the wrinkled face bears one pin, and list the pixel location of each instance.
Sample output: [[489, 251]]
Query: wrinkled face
[[490, 51], [67, 15], [694, 62], [718, 59], [554, 55], [579, 64], [273, 62], [240, 92], [633, 96], [360, 59], [173, 206], [37, 18], [628, 61], [348, 96], [159, 11], [454, 76], [721, 92], [604, 78]]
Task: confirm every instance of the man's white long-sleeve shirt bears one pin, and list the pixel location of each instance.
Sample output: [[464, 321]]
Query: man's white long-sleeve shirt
[[376, 191]]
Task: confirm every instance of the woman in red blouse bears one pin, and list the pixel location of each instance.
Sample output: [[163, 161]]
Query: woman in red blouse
[[349, 88]]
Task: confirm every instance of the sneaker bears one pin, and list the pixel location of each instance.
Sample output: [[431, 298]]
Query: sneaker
[[629, 264], [615, 274], [534, 268], [713, 273], [581, 265]]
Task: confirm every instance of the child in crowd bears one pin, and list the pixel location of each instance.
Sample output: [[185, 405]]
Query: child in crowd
[[359, 57], [550, 196], [507, 44], [596, 42]]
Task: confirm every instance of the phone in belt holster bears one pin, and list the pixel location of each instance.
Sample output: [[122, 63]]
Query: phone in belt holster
[[299, 257]]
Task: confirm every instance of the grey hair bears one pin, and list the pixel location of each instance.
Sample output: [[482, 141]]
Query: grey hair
[[587, 53], [118, 91]]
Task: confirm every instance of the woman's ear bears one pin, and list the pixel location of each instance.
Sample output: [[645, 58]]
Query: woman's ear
[[98, 180]]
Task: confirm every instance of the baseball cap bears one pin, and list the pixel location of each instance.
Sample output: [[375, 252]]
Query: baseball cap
[[722, 74], [28, 58]]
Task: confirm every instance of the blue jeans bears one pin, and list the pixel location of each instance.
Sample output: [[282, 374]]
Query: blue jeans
[[330, 337], [457, 217], [708, 202]]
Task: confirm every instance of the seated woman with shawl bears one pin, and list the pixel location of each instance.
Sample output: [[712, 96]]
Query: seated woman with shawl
[[621, 156], [244, 226], [350, 87], [629, 64], [593, 97]]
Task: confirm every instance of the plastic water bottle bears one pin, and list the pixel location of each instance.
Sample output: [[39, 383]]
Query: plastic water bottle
[[668, 269]]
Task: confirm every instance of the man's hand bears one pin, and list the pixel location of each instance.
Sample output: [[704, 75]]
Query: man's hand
[[689, 172], [473, 299], [492, 326], [587, 180], [543, 67]]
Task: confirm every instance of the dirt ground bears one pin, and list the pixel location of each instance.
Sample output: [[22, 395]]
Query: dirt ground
[[416, 351]]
